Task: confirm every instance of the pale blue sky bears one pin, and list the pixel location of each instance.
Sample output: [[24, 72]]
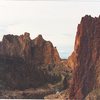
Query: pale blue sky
[[56, 20]]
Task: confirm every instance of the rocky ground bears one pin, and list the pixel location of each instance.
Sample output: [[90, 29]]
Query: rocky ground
[[30, 93], [36, 93], [63, 95], [59, 74]]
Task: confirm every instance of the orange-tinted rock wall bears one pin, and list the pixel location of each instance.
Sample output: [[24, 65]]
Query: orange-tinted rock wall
[[86, 73]]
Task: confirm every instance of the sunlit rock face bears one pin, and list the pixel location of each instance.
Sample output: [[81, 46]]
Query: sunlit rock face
[[43, 51], [37, 51], [22, 60], [86, 58]]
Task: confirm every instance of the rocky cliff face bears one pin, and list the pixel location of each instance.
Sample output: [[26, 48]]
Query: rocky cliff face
[[25, 63], [44, 52], [86, 58], [37, 51]]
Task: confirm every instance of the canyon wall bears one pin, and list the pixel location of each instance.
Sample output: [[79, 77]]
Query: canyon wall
[[85, 59]]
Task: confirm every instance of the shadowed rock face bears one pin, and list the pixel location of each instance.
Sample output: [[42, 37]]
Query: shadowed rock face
[[86, 58], [22, 59]]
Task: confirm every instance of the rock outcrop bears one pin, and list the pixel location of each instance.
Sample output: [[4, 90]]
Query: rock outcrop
[[25, 63], [44, 52], [86, 58], [37, 51]]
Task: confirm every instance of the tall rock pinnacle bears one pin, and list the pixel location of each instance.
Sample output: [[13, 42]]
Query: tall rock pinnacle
[[86, 58]]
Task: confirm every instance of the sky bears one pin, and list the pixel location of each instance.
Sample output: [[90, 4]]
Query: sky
[[56, 20]]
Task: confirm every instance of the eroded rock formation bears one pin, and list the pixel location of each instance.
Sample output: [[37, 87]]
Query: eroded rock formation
[[25, 63], [86, 58], [37, 51]]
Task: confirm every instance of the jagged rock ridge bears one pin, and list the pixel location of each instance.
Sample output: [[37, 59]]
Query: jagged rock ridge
[[38, 51], [25, 63], [86, 58]]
